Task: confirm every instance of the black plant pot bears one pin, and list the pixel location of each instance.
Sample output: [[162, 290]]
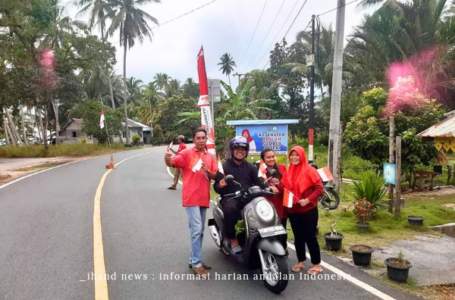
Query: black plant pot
[[363, 226], [415, 220], [333, 243], [397, 273], [362, 257]]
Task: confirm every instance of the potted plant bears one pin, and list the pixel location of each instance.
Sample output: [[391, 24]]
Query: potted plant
[[361, 254], [363, 211], [333, 239], [398, 267], [415, 220]]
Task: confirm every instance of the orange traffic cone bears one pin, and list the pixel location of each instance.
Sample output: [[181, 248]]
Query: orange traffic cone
[[111, 163]]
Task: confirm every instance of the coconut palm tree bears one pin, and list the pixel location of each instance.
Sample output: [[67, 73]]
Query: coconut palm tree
[[173, 88], [227, 64], [148, 108], [135, 87], [132, 24], [98, 10], [162, 81]]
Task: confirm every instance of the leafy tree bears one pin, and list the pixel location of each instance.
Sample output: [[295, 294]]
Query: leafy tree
[[367, 132], [90, 111]]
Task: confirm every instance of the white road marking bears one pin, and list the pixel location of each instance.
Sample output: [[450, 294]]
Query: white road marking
[[353, 280]]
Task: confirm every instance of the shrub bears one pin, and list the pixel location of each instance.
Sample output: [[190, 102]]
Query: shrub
[[136, 140], [364, 210], [372, 189]]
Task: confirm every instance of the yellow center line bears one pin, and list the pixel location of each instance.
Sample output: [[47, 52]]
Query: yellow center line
[[101, 291]]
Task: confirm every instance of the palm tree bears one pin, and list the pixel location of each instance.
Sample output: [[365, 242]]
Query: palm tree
[[97, 16], [173, 88], [134, 89], [227, 65], [398, 35], [149, 104], [131, 22], [162, 81]]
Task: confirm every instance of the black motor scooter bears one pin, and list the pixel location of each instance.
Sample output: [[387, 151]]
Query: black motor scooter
[[261, 248]]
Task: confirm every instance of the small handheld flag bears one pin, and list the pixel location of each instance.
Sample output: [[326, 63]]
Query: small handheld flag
[[197, 166], [220, 165], [288, 198], [262, 170], [325, 174], [170, 145], [102, 119]]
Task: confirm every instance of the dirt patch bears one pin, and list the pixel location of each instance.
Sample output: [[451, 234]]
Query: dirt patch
[[13, 168], [441, 191]]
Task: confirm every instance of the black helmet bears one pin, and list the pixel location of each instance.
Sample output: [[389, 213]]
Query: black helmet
[[239, 142]]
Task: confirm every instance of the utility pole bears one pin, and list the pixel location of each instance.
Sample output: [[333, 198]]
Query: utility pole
[[335, 106], [311, 121], [237, 74]]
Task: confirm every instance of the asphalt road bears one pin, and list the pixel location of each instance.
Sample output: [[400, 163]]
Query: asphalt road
[[46, 240]]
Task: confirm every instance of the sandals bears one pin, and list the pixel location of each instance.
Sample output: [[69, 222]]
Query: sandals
[[312, 271], [236, 251], [171, 188], [297, 268]]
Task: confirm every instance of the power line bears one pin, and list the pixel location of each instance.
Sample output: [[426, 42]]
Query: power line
[[254, 32], [197, 8], [267, 34], [337, 8], [310, 22], [283, 39], [291, 25], [274, 39]]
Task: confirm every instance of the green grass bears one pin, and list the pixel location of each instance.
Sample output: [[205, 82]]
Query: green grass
[[387, 228], [60, 150]]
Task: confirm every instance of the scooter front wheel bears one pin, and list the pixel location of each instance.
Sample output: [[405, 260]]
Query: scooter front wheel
[[275, 273]]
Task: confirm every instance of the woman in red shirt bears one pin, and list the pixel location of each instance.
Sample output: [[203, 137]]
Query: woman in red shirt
[[305, 184], [269, 158]]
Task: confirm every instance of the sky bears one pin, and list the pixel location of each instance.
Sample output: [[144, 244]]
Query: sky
[[222, 26]]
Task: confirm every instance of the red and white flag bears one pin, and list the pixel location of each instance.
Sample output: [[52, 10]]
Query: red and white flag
[[220, 165], [170, 145], [262, 170], [288, 198], [102, 119], [325, 174]]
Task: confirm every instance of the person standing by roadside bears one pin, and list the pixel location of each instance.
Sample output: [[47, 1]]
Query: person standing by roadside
[[182, 146], [269, 158], [304, 182], [198, 167]]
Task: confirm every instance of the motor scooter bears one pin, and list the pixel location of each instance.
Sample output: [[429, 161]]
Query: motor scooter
[[259, 240]]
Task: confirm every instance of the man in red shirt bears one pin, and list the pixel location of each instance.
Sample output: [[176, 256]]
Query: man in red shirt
[[198, 167], [182, 146]]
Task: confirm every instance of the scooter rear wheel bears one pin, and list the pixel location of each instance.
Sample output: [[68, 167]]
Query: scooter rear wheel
[[276, 279]]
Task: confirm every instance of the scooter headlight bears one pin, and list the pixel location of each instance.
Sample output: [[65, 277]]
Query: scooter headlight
[[265, 210]]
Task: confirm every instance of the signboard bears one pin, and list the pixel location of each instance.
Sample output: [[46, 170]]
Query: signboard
[[261, 137], [214, 90], [389, 174]]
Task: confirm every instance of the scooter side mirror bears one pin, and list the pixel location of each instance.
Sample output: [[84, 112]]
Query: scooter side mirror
[[229, 179], [272, 173]]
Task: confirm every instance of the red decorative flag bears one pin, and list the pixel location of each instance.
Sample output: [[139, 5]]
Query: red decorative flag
[[288, 198], [204, 104], [102, 119], [262, 170], [325, 174]]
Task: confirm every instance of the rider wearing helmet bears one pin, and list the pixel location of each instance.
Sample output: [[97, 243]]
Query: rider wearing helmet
[[244, 173]]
